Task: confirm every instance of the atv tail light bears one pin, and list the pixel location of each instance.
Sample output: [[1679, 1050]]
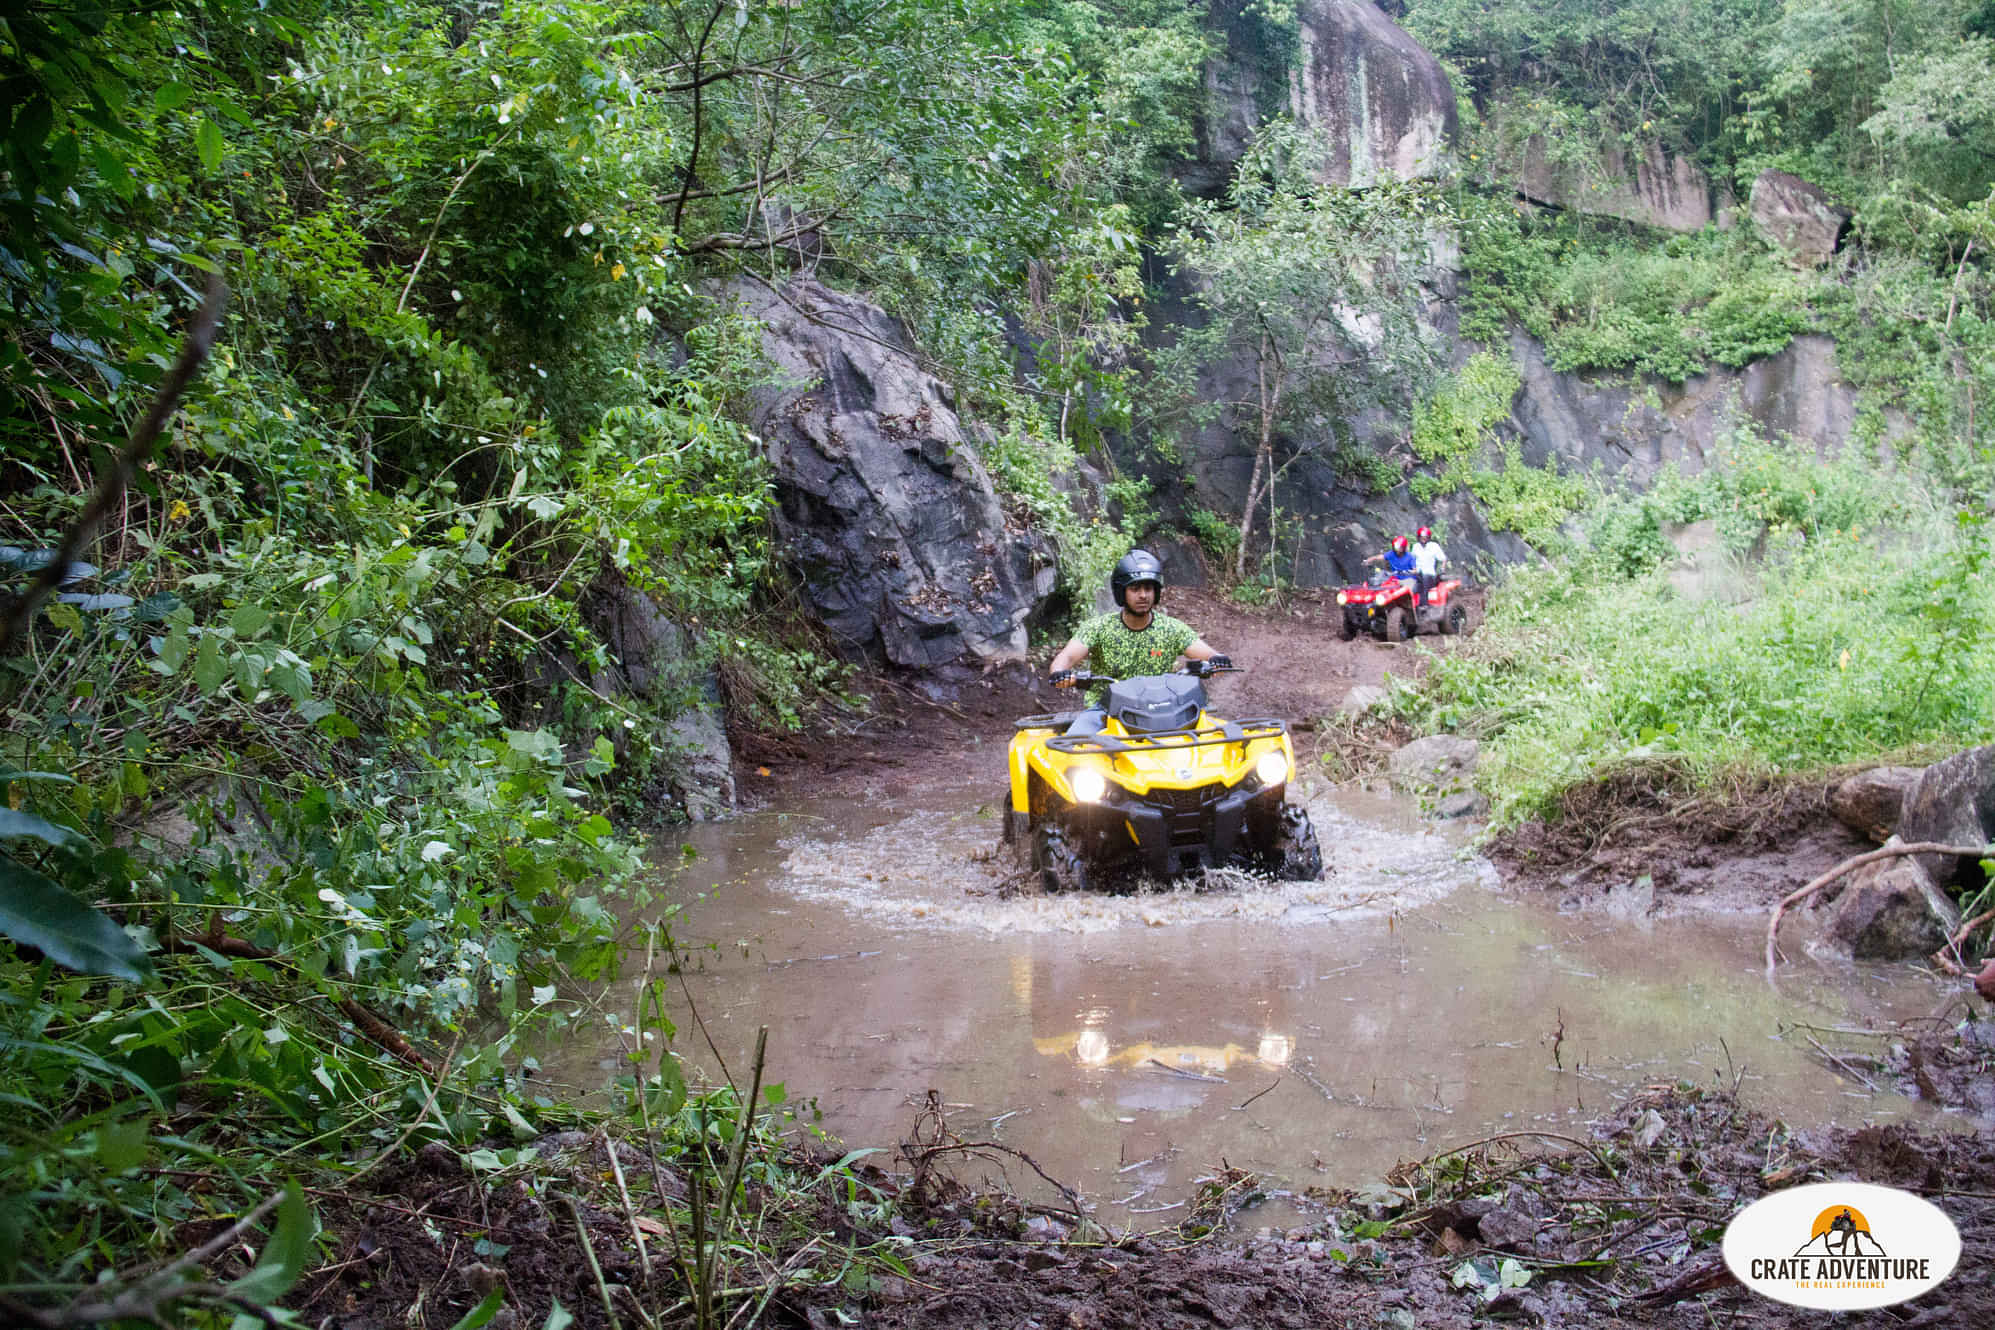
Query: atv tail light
[[1089, 785], [1272, 768]]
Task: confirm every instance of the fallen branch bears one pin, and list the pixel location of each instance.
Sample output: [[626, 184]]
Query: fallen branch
[[1843, 869], [365, 1019]]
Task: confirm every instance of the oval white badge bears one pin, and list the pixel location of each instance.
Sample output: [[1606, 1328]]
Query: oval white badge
[[1841, 1246]]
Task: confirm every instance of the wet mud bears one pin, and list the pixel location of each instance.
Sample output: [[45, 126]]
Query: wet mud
[[1193, 1104]]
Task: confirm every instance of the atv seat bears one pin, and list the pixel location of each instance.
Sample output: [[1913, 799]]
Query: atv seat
[[1046, 720]]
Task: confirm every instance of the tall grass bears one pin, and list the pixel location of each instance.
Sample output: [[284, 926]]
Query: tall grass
[[1839, 616]]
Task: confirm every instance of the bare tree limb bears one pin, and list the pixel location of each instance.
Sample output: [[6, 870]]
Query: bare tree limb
[[1843, 869]]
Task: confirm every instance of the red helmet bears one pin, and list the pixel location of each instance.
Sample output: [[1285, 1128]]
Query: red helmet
[[1399, 544], [1425, 533]]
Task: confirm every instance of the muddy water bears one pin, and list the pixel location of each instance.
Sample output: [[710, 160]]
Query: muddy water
[[1316, 1033]]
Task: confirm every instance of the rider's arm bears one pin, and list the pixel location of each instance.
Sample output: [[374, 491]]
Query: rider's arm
[[1070, 656], [1198, 650]]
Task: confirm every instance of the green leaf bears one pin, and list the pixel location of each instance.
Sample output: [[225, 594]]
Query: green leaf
[[15, 825], [208, 143], [483, 1312], [210, 670], [36, 912], [173, 649], [558, 1317], [284, 1256], [123, 1146], [249, 620], [172, 96]]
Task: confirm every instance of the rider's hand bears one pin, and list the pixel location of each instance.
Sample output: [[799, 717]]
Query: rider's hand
[[1061, 678], [1218, 662]]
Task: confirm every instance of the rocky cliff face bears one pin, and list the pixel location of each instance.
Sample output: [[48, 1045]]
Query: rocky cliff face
[[1633, 428], [885, 510], [1382, 103]]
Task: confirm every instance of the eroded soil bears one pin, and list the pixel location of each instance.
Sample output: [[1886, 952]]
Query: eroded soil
[[1617, 1227]]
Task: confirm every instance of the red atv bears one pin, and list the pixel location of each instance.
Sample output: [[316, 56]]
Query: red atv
[[1387, 607]]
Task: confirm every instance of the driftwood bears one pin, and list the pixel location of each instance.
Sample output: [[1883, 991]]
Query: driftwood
[[1845, 868]]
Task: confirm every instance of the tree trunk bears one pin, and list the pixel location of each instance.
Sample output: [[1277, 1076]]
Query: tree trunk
[[1267, 366]]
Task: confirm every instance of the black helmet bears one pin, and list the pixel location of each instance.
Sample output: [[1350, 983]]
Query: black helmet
[[1135, 566]]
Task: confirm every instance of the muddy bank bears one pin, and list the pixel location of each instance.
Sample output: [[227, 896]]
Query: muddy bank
[[1617, 1226], [1736, 848]]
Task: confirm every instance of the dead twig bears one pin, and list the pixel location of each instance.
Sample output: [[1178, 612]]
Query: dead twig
[[1843, 869], [1252, 1097]]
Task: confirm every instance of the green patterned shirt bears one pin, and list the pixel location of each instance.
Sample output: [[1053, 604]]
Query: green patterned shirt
[[1113, 648]]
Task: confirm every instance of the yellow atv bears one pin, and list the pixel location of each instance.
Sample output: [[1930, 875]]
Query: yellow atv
[[1164, 787]]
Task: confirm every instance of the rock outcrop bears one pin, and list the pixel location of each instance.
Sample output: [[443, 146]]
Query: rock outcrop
[[1871, 802], [884, 508], [1633, 428], [1898, 909], [1797, 216], [653, 658], [1383, 104], [1653, 188], [1380, 99], [1892, 911], [1952, 803]]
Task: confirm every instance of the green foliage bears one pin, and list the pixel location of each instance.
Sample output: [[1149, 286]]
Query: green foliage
[[1599, 298], [1219, 537], [1285, 273], [1453, 426], [1024, 467], [1844, 624]]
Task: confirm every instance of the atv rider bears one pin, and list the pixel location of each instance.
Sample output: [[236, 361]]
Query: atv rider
[[1399, 561], [1135, 640], [1428, 561]]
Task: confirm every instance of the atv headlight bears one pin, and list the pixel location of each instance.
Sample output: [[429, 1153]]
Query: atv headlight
[[1272, 768], [1343, 598], [1089, 785]]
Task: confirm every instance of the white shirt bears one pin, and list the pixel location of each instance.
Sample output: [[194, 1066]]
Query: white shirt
[[1428, 557]]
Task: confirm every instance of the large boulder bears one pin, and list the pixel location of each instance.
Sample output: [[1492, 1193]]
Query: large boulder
[[1871, 802], [1632, 429], [1952, 803], [1649, 186], [1438, 764], [1798, 217], [1380, 99], [1892, 910], [1383, 104], [884, 508]]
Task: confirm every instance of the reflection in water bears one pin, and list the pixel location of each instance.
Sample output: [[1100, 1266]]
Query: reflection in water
[[1317, 1033]]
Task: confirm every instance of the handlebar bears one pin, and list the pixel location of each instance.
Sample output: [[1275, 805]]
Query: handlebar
[[1198, 669]]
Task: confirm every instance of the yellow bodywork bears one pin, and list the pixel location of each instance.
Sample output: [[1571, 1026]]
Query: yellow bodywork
[[1176, 761]]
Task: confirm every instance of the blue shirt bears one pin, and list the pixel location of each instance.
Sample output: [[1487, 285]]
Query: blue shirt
[[1397, 563]]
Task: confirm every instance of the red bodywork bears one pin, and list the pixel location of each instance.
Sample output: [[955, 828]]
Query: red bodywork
[[1385, 606]]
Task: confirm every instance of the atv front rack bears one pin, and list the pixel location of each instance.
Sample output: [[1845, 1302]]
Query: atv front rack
[[1228, 732]]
